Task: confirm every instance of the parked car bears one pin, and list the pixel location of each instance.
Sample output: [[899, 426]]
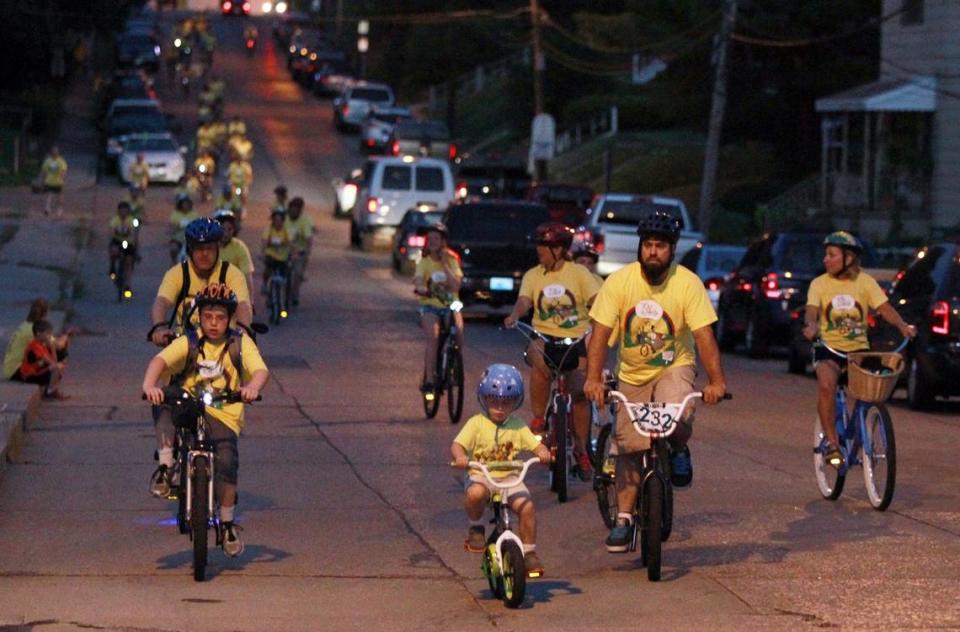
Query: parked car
[[495, 242], [345, 191], [331, 81], [491, 177], [163, 156], [713, 263], [409, 239], [119, 128], [611, 226], [422, 138], [350, 109], [138, 50], [391, 186], [567, 203], [378, 126], [770, 282]]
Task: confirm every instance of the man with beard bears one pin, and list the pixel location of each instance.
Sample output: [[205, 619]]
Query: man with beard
[[652, 299]]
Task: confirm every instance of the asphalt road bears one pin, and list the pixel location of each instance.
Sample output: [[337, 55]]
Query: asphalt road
[[352, 518]]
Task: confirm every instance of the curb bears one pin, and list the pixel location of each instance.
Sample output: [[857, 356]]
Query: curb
[[15, 418]]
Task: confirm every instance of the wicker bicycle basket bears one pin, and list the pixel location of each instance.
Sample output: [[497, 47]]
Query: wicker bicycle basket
[[875, 384]]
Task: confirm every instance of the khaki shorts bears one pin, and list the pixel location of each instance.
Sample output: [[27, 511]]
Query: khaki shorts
[[517, 490], [673, 385]]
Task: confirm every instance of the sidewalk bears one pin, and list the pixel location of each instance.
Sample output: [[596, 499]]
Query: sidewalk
[[39, 255]]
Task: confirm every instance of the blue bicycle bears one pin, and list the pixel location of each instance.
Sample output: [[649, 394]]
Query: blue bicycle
[[865, 433]]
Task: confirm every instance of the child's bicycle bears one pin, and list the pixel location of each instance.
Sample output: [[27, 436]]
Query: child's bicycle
[[503, 563], [653, 511], [866, 433], [448, 369], [196, 511], [278, 293], [602, 451], [559, 414]]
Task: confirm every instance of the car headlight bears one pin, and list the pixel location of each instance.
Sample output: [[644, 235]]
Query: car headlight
[[281, 7], [114, 147]]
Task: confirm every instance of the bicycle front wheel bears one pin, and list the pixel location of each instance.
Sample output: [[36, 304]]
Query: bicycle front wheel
[[651, 537], [455, 385], [275, 302], [514, 575], [879, 455], [829, 479], [603, 478], [559, 471], [199, 517]]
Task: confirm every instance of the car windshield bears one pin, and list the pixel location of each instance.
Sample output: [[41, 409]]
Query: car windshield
[[565, 195], [433, 129], [374, 95], [151, 144], [502, 224], [422, 220], [137, 123], [613, 212], [724, 259]]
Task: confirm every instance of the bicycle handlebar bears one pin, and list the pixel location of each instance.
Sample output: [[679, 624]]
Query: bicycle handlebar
[[227, 397], [649, 428], [520, 467], [843, 354], [529, 332]]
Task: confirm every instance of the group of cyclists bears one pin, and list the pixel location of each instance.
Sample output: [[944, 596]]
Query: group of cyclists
[[658, 317], [189, 53]]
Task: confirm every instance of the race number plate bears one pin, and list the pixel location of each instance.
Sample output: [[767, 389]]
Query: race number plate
[[501, 283], [655, 417]]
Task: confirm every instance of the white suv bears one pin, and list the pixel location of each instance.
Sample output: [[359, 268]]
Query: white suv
[[611, 225], [393, 185]]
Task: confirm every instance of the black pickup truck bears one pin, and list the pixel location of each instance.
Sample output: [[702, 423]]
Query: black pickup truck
[[495, 244]]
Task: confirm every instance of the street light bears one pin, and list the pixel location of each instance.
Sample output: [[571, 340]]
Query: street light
[[363, 45]]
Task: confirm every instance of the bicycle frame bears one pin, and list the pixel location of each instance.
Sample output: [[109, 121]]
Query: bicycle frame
[[500, 506], [446, 341]]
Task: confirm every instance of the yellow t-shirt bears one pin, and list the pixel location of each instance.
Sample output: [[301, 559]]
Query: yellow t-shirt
[[485, 441], [139, 173], [237, 254], [434, 278], [216, 373], [842, 305], [301, 229], [54, 171], [178, 223], [122, 227], [173, 279], [655, 323], [237, 174], [277, 243], [560, 298], [21, 337]]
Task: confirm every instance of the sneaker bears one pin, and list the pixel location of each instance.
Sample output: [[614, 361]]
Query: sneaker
[[230, 534], [584, 468], [533, 564], [160, 482], [681, 467], [476, 541], [55, 395], [538, 426], [619, 539]]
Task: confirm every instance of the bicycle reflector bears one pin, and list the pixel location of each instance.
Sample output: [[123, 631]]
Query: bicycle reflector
[[429, 396], [128, 294], [283, 313]]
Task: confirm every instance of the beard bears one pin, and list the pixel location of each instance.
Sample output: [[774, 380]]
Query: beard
[[654, 269]]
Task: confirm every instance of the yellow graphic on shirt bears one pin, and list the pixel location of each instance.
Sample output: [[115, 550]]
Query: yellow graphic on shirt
[[647, 328], [558, 305], [845, 316]]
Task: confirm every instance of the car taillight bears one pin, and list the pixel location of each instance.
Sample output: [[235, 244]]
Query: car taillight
[[452, 152], [461, 190], [395, 148], [246, 7], [250, 43], [373, 204], [345, 109], [940, 318], [416, 241], [713, 284], [771, 285], [227, 6], [744, 286], [371, 142], [588, 237]]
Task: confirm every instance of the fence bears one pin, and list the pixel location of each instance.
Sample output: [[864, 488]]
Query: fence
[[14, 123], [474, 82]]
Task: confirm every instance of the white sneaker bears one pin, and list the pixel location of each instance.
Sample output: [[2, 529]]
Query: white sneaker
[[231, 542], [160, 482]]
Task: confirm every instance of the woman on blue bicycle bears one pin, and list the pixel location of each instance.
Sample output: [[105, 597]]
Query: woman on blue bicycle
[[838, 302]]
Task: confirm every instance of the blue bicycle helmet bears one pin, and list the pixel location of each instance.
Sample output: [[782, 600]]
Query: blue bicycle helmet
[[661, 223], [501, 382], [203, 231]]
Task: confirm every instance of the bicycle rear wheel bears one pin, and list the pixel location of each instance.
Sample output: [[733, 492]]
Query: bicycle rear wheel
[[199, 517], [879, 455], [829, 479], [603, 481], [559, 471], [651, 536], [514, 575], [455, 385], [275, 298]]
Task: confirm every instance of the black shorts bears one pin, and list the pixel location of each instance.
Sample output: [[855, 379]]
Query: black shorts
[[822, 353], [52, 188]]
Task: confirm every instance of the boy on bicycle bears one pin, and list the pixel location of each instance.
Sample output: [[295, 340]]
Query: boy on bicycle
[[209, 368], [436, 281], [123, 229], [662, 316], [837, 305], [277, 246], [498, 435], [560, 293]]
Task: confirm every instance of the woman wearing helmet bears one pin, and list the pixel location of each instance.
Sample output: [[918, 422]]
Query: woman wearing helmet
[[183, 280], [436, 281], [838, 302], [498, 435], [219, 360], [560, 293]]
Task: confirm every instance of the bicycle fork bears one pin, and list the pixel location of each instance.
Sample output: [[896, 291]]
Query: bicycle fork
[[191, 457], [651, 469]]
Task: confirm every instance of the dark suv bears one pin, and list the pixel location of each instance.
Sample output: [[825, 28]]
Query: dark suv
[[495, 243], [927, 295]]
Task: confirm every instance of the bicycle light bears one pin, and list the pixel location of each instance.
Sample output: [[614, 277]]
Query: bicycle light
[[136, 223], [128, 294], [283, 313], [456, 306], [429, 397], [124, 244], [207, 398]]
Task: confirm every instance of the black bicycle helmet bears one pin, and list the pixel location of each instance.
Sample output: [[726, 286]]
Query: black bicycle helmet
[[554, 234], [203, 231], [216, 294], [661, 223], [280, 190], [225, 215]]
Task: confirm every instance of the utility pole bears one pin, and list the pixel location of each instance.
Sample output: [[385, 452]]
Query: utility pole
[[712, 153], [540, 166]]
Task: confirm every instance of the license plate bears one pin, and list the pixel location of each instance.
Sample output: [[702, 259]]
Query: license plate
[[501, 283]]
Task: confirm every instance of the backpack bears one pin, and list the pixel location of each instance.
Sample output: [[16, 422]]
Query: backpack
[[185, 289], [234, 347]]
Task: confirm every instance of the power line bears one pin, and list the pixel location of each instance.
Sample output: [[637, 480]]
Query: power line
[[772, 42], [638, 49]]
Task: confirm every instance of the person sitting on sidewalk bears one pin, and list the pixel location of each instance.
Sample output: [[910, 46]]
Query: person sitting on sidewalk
[[40, 365], [24, 334]]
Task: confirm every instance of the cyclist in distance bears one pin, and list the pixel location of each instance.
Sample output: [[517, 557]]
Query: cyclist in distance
[[560, 293], [232, 249], [277, 245], [123, 228], [586, 255], [838, 302], [180, 218], [663, 317], [436, 281], [301, 228], [183, 280]]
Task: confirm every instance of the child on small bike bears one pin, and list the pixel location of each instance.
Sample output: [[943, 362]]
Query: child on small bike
[[837, 305], [206, 365], [498, 435], [277, 246]]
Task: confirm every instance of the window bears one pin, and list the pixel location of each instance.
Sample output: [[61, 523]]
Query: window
[[396, 178], [911, 12], [429, 179]]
